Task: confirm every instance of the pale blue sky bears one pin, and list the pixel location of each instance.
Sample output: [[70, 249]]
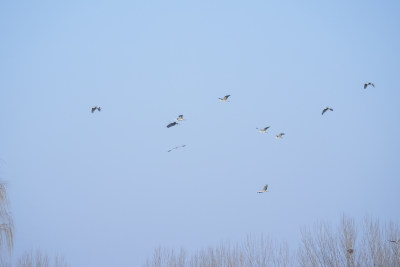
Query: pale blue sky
[[101, 188]]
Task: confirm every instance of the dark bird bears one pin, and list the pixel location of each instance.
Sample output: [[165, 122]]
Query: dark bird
[[96, 107], [264, 189], [176, 148], [172, 124], [394, 241], [264, 130], [369, 83], [326, 109], [180, 118], [279, 136], [224, 99], [350, 251]]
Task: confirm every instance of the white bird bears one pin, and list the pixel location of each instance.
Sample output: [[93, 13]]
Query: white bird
[[264, 189], [176, 148], [224, 99], [180, 118], [326, 109], [369, 83], [279, 136], [264, 130], [96, 107]]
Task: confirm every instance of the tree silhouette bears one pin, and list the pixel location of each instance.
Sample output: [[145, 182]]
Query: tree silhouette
[[6, 221]]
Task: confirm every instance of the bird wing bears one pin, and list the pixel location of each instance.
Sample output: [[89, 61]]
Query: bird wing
[[365, 85], [93, 109], [265, 187], [373, 85], [171, 124], [325, 109], [226, 97], [266, 128]]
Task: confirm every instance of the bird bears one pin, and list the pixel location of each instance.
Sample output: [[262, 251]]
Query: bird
[[96, 107], [264, 130], [350, 251], [368, 83], [176, 148], [172, 124], [279, 136], [264, 189], [180, 118], [326, 109], [224, 99], [394, 241]]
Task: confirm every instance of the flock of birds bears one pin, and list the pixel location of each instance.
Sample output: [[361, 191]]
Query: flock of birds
[[261, 130]]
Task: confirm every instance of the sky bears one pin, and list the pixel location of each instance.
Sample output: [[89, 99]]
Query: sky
[[102, 190]]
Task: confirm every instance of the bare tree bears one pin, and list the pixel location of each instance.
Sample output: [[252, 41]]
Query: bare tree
[[6, 221], [348, 244], [323, 247], [347, 238], [7, 240], [38, 259], [254, 251]]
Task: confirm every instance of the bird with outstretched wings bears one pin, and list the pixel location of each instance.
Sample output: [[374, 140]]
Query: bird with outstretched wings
[[264, 189], [176, 148], [96, 107], [368, 83], [263, 130], [326, 109], [224, 99], [172, 124]]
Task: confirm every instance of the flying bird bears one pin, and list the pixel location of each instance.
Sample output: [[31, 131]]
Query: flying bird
[[369, 83], [176, 148], [279, 136], [394, 241], [264, 189], [224, 99], [172, 124], [326, 109], [96, 107], [350, 251], [264, 130], [180, 118]]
